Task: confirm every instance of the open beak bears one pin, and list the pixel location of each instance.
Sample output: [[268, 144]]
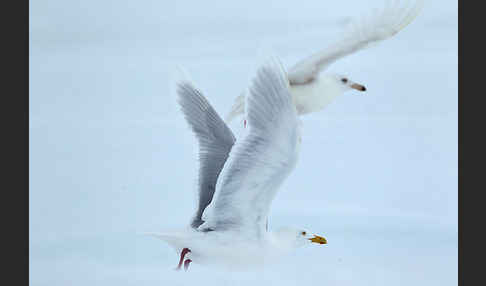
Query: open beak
[[358, 87], [318, 239]]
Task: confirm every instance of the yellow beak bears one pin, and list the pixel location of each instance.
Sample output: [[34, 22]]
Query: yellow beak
[[318, 239]]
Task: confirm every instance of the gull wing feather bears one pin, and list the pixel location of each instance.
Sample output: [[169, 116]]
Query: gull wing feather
[[363, 33], [259, 163], [215, 141]]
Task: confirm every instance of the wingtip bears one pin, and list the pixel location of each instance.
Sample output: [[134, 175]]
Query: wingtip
[[181, 74], [181, 78], [412, 14], [274, 64]]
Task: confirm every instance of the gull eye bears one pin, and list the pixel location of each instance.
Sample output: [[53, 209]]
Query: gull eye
[[344, 80], [303, 233]]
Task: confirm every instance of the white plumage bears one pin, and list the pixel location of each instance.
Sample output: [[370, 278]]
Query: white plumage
[[232, 229], [311, 91]]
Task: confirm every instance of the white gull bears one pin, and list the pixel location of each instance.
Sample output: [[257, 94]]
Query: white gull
[[238, 180], [311, 92]]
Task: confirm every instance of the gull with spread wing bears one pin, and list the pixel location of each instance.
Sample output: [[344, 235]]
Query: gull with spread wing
[[311, 91], [238, 180]]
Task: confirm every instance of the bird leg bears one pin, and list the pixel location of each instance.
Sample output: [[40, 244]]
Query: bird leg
[[184, 251], [186, 264]]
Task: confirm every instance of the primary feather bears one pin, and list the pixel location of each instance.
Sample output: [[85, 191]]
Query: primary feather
[[215, 141], [311, 93], [362, 33], [258, 164]]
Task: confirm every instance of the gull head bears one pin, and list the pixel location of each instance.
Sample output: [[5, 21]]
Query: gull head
[[346, 84], [294, 238]]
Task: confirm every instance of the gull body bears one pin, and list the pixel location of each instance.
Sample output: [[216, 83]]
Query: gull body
[[238, 180], [317, 94], [311, 90], [234, 250]]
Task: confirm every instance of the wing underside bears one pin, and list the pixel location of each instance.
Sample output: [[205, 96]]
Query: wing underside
[[364, 32], [215, 141], [259, 163]]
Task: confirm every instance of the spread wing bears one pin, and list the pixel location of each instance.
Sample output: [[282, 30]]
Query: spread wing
[[215, 142], [363, 33], [259, 163]]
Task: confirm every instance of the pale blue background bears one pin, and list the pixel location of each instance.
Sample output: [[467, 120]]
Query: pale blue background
[[111, 156]]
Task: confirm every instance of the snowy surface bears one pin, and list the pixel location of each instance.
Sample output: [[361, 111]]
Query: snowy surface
[[111, 156]]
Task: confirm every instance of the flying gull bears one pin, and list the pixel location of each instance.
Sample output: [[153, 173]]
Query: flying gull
[[238, 180], [311, 92]]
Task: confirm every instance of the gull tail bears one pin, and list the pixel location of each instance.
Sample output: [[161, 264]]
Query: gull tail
[[174, 239]]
